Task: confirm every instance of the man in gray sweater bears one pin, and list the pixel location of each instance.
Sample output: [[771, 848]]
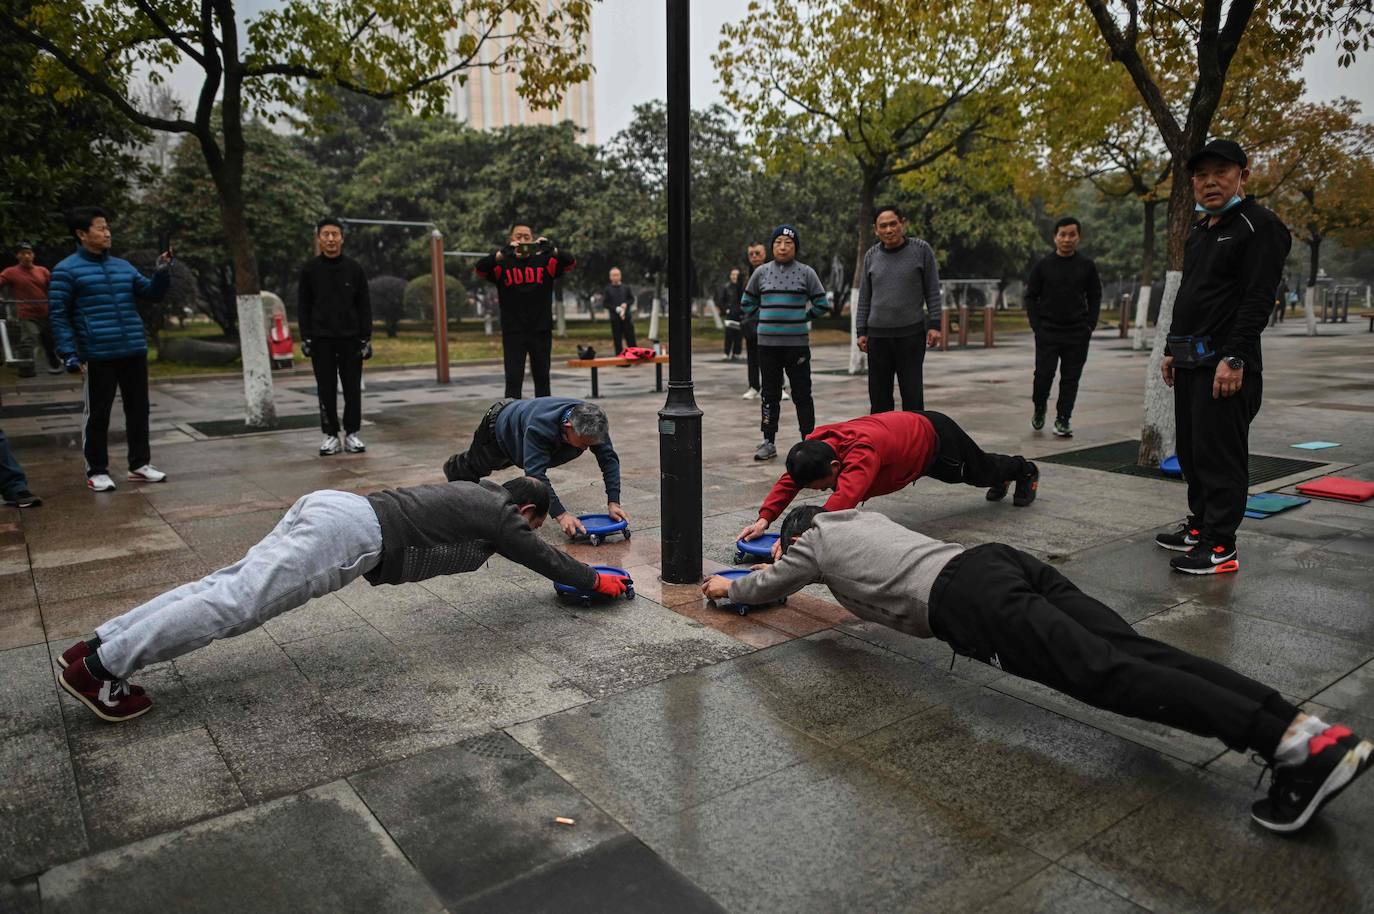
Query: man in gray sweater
[[325, 541], [899, 311], [1012, 611]]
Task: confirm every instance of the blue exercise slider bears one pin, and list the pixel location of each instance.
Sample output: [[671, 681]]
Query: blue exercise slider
[[761, 548], [1169, 467], [571, 594], [734, 574], [1266, 503], [1316, 445], [600, 526]]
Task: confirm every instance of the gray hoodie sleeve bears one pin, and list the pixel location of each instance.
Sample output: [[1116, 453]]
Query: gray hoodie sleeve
[[865, 295], [931, 271], [786, 576], [514, 539]]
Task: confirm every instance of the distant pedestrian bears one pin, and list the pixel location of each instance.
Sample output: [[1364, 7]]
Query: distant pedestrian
[[728, 306], [749, 324], [786, 295], [1232, 262], [335, 314], [26, 284], [1280, 303], [1063, 301], [97, 330], [619, 301], [524, 272], [898, 314], [14, 485]]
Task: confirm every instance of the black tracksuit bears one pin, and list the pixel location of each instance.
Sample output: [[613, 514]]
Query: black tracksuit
[[728, 306], [1063, 301], [1230, 272], [1010, 610], [622, 328], [524, 287], [334, 311]]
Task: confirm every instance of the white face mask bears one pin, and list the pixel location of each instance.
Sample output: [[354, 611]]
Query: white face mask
[[1235, 198]]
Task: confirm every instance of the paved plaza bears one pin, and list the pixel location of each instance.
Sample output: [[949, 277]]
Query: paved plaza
[[409, 748]]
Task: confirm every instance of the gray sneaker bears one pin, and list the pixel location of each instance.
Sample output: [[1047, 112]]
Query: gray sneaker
[[353, 444], [329, 446], [766, 451]]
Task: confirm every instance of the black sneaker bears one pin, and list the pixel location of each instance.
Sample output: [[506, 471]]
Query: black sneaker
[[23, 499], [1299, 791], [997, 492], [1038, 419], [1026, 487], [1061, 428], [1181, 540], [1207, 558]]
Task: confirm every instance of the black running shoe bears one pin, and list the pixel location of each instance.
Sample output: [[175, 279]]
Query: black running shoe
[[1207, 558], [1299, 791], [1062, 429], [1038, 419], [1181, 540], [1026, 487], [997, 492]]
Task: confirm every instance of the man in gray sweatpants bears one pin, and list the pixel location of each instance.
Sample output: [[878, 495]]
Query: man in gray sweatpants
[[325, 541]]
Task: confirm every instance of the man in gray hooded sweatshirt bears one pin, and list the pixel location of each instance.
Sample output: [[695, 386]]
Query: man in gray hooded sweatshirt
[[1012, 611]]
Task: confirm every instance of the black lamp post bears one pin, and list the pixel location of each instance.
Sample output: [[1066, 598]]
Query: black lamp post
[[679, 422]]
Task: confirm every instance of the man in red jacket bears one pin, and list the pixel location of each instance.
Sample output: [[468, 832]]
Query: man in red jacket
[[879, 454]]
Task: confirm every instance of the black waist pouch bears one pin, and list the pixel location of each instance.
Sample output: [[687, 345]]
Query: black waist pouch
[[1191, 351]]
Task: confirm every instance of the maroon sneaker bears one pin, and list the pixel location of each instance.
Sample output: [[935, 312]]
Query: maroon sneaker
[[108, 699], [80, 651]]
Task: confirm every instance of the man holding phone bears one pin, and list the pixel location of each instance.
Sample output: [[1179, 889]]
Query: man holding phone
[[97, 330], [524, 272]]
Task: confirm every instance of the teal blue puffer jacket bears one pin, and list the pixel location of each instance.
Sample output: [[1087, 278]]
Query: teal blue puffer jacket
[[91, 306]]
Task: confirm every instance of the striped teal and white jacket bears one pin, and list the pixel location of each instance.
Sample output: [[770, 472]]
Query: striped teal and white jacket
[[786, 297]]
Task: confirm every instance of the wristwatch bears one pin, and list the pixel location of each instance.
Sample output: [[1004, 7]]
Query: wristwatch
[[1234, 363]]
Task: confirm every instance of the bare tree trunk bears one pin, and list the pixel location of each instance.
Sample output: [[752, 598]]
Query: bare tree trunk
[[1157, 430], [858, 359], [1147, 270], [1309, 298]]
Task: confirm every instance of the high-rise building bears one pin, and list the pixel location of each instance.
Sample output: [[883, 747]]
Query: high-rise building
[[488, 100]]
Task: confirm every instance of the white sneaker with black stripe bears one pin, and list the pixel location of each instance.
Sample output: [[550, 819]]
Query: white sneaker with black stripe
[[100, 482]]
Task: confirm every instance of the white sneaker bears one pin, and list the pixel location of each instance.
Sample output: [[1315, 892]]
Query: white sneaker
[[353, 444], [750, 394], [100, 483], [329, 446], [147, 473]]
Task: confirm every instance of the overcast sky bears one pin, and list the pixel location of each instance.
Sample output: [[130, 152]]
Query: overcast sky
[[628, 38]]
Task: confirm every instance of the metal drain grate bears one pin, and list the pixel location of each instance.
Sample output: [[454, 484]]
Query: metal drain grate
[[1120, 458], [226, 428]]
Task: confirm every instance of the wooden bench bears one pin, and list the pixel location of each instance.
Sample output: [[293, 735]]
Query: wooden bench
[[657, 361], [1368, 315]]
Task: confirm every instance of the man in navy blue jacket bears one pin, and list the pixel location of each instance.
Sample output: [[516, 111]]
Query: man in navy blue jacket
[[97, 330], [536, 435]]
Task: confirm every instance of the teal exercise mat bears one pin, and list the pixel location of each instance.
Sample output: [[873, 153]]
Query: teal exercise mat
[[1316, 445], [1267, 503]]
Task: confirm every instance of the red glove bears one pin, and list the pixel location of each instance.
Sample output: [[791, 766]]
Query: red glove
[[610, 585]]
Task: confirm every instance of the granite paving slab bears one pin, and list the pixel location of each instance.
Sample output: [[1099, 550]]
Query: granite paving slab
[[1055, 890]]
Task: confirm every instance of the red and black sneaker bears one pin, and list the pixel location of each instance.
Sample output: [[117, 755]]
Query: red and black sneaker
[[108, 699], [1027, 486], [1207, 558], [80, 651], [1181, 540], [1335, 758]]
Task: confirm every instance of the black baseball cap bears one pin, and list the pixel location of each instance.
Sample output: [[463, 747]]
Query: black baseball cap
[[1223, 149], [23, 246]]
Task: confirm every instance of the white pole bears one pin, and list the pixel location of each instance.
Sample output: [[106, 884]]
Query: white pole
[[858, 359], [1142, 316], [1309, 301]]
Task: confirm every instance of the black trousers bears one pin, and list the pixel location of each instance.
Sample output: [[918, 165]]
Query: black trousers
[[1069, 356], [539, 347], [339, 358], [103, 377], [734, 339], [1213, 444], [622, 331], [750, 329], [484, 456], [1012, 611], [961, 460], [903, 357], [795, 362]]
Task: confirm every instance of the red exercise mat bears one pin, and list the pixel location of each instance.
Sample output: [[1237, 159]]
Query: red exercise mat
[[1338, 487]]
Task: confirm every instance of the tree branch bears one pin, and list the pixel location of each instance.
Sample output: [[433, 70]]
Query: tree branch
[[172, 35]]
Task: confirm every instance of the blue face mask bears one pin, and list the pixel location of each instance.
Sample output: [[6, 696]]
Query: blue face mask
[[1236, 198]]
